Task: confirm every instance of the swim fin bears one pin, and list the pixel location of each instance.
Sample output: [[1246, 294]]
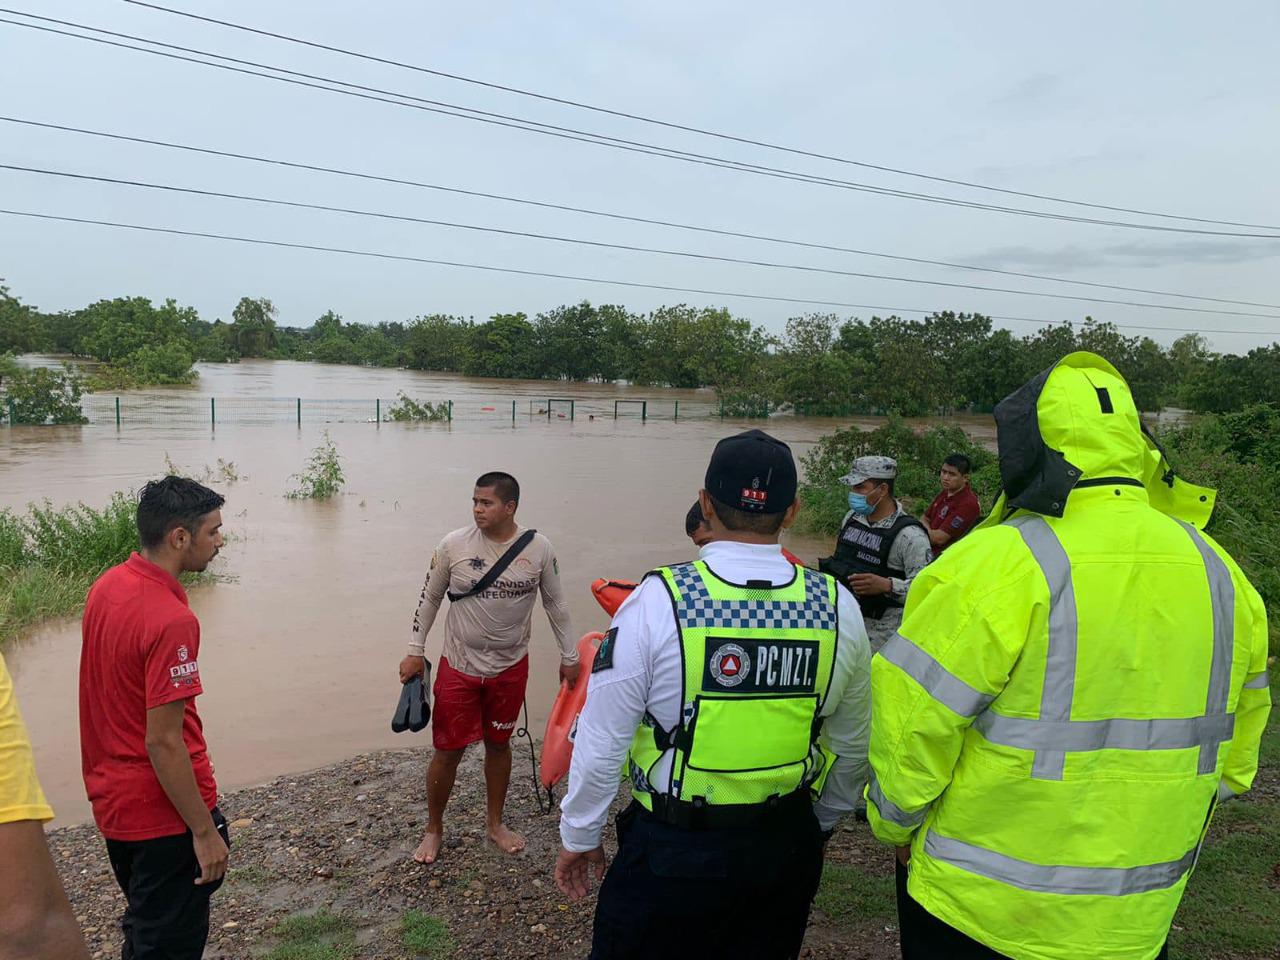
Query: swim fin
[[414, 709]]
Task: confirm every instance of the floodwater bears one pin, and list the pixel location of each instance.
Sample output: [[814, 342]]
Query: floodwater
[[302, 633]]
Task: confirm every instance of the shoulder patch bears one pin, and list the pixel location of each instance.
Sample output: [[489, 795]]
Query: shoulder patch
[[604, 653]]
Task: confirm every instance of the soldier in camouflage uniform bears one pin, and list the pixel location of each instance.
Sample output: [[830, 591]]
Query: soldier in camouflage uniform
[[880, 549]]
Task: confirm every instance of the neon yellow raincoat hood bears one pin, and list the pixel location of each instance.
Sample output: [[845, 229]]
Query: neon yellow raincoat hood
[[1053, 435]]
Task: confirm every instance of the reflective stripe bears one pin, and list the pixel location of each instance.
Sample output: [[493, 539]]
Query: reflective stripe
[[1225, 793], [1080, 736], [1043, 878], [1222, 595], [891, 811], [1257, 682], [940, 683], [1060, 659]]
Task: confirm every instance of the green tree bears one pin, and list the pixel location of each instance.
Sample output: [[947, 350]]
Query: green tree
[[254, 325], [22, 328], [437, 342], [37, 395], [504, 346]]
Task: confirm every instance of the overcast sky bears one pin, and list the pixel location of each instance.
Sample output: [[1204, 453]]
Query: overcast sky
[[1169, 107]]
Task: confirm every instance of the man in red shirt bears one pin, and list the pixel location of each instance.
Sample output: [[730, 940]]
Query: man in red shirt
[[956, 509], [146, 767]]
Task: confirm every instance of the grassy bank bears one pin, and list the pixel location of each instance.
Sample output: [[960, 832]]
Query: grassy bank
[[49, 557]]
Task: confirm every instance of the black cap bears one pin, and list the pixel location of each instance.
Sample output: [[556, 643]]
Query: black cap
[[752, 472]]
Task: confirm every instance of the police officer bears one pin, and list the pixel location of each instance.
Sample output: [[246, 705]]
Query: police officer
[[733, 693], [1075, 686], [880, 548]]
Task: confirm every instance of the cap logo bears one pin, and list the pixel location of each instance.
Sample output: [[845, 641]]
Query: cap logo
[[753, 499]]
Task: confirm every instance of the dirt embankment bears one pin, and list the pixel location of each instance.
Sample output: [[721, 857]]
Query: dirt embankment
[[339, 839]]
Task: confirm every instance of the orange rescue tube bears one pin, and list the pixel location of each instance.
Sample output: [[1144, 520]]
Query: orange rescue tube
[[610, 593], [557, 742]]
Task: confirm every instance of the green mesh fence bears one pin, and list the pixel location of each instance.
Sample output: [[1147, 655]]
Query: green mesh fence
[[177, 409]]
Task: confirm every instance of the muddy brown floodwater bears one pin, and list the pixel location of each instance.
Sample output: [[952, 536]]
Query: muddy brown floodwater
[[301, 641]]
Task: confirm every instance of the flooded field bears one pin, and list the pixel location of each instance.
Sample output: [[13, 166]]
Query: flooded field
[[301, 639]]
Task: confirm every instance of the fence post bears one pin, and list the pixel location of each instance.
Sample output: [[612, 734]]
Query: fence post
[[117, 413], [13, 415], [615, 409], [677, 416], [377, 410], [299, 411], [213, 412], [451, 411], [644, 410], [571, 406], [513, 412]]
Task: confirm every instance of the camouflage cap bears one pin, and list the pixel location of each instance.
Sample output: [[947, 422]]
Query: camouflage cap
[[870, 468]]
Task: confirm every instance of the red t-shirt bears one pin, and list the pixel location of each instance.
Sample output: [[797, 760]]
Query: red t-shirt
[[141, 645], [953, 514]]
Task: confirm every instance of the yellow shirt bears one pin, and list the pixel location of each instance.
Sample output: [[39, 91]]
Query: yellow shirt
[[20, 795]]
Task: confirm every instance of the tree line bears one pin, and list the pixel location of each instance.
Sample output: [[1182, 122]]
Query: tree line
[[822, 364]]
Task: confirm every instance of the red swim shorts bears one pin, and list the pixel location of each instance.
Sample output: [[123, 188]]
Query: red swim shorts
[[468, 709]]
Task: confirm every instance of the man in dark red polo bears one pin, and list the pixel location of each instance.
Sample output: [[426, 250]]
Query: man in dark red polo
[[146, 768], [956, 509]]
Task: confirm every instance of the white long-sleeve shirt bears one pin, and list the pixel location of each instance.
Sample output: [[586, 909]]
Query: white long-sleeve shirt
[[646, 675]]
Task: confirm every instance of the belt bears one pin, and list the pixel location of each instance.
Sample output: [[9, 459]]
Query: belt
[[697, 814]]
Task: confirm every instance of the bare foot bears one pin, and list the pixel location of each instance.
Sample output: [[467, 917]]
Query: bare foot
[[429, 848], [506, 840]]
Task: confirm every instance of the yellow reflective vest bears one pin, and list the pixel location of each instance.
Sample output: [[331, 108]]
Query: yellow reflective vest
[[1070, 694], [758, 661]]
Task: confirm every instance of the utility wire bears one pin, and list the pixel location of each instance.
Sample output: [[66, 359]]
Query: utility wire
[[405, 258], [619, 216], [600, 244], [568, 133], [684, 127]]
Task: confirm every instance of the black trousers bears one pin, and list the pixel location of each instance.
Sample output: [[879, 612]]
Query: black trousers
[[739, 892], [167, 917], [925, 937]]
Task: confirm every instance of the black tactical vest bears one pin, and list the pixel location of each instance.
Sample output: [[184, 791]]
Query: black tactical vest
[[863, 549]]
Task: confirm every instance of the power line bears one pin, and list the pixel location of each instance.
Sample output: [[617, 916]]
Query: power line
[[618, 216], [600, 244], [563, 276], [568, 133], [671, 125]]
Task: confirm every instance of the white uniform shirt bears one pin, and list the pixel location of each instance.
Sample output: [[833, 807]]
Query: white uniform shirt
[[646, 675]]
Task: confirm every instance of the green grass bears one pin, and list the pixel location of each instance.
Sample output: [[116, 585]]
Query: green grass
[[49, 557], [314, 936], [1232, 902], [426, 936], [849, 895]]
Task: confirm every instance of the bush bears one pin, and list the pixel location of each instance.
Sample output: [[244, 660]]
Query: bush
[[1239, 455], [408, 410], [322, 477], [39, 395], [919, 457]]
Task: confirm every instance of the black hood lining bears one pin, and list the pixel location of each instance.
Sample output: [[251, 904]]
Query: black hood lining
[[1035, 476]]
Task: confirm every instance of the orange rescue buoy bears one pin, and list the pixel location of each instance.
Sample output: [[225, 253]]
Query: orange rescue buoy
[[610, 593], [557, 743]]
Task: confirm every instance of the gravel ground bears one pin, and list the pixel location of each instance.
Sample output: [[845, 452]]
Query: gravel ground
[[340, 839]]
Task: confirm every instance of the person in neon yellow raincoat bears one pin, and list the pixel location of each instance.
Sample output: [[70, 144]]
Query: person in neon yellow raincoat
[[1075, 686]]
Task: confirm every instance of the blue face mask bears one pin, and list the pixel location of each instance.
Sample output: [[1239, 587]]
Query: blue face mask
[[858, 504]]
